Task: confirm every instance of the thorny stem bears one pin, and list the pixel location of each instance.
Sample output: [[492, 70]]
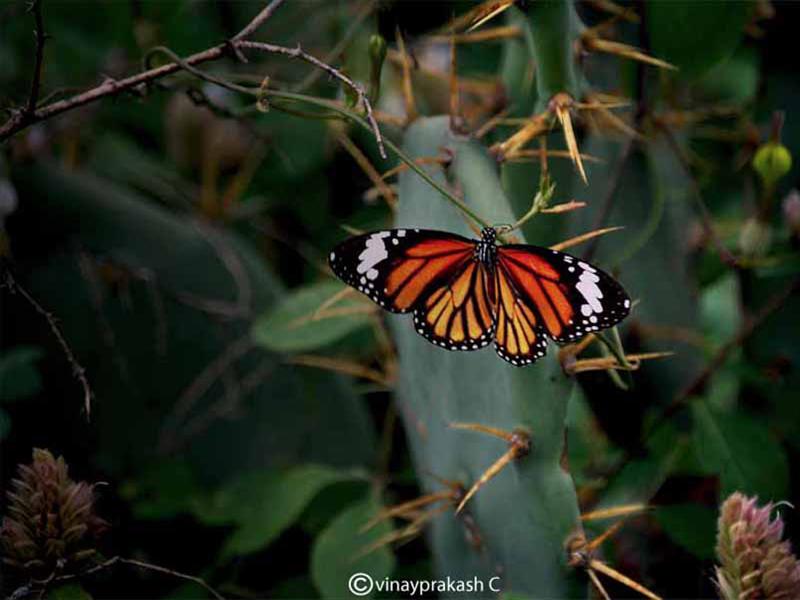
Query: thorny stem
[[25, 118], [554, 26], [362, 13], [135, 563], [77, 368], [679, 401], [258, 20], [697, 384], [41, 37], [298, 53], [109, 87]]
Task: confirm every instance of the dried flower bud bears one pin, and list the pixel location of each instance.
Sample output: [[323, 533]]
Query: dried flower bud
[[753, 561], [51, 522], [755, 237], [791, 211]]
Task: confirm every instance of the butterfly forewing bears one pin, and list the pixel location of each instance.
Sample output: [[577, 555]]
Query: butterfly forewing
[[399, 268], [569, 296]]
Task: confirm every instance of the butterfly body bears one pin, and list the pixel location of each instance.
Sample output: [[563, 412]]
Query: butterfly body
[[467, 293]]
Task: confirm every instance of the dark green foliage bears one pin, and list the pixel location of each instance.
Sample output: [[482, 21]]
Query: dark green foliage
[[695, 36]]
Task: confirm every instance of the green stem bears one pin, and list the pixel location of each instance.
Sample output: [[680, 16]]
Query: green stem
[[321, 102], [330, 105], [555, 28]]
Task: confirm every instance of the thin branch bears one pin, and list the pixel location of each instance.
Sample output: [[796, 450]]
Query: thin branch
[[298, 53], [719, 359], [258, 21], [41, 37], [142, 565], [199, 581], [705, 216], [362, 13], [23, 119], [211, 374], [233, 264], [109, 87], [77, 369]]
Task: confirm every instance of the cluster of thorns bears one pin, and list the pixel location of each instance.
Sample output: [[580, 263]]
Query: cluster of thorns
[[580, 552]]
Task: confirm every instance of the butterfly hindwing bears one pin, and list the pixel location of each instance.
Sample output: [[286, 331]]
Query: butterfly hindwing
[[399, 268], [457, 314], [519, 336], [569, 296]]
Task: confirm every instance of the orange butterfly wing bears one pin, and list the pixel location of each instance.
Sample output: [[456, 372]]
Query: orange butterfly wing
[[568, 296], [519, 335], [460, 303], [457, 314], [399, 268]]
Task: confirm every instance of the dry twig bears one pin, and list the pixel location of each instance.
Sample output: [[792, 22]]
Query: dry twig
[[77, 368], [22, 119]]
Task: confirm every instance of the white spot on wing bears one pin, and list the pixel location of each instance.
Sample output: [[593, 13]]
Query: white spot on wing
[[374, 253], [588, 288]]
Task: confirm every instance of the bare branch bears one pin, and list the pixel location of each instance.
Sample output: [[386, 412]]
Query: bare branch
[[748, 328], [705, 216], [41, 37], [111, 87], [198, 580], [258, 20], [211, 374], [77, 369], [298, 53], [22, 119], [140, 564], [362, 13]]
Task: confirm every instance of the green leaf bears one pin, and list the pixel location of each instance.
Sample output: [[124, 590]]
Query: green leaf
[[177, 268], [69, 591], [735, 80], [264, 503], [337, 552], [162, 491], [19, 376], [741, 451], [294, 587], [695, 36], [329, 503], [293, 326], [691, 526]]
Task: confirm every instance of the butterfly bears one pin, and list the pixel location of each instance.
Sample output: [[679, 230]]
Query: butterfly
[[467, 293]]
